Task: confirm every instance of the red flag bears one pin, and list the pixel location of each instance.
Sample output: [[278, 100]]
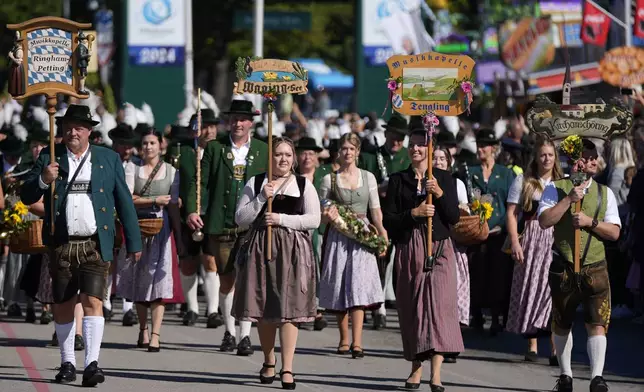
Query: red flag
[[595, 26], [639, 19]]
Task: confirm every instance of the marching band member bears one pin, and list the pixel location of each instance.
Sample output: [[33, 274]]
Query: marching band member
[[228, 163], [280, 292], [82, 244]]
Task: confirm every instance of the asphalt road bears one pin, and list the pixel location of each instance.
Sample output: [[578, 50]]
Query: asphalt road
[[190, 361]]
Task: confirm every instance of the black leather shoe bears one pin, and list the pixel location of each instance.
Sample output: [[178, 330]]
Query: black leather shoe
[[66, 374], [287, 385], [30, 316], [244, 348], [357, 352], [449, 359], [553, 361], [153, 349], [107, 314], [320, 323], [564, 384], [54, 340], [214, 320], [190, 318], [598, 384], [531, 356], [436, 388], [139, 342], [228, 343], [129, 318], [79, 343], [267, 379], [182, 310], [46, 318], [412, 385], [93, 375]]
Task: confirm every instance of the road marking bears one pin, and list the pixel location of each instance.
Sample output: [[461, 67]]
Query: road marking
[[27, 361]]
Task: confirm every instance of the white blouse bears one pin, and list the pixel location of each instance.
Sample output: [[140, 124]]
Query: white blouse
[[250, 205]]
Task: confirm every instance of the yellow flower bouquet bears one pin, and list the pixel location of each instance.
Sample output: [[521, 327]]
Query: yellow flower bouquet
[[472, 227], [572, 147], [14, 219]]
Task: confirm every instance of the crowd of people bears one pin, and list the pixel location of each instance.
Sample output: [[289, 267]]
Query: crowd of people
[[142, 221]]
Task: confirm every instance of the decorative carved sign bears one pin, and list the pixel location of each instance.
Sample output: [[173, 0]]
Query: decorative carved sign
[[430, 82], [270, 76], [623, 67], [600, 121], [50, 56]]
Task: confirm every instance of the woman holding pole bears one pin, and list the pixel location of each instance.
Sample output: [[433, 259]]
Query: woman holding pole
[[279, 292], [426, 287]]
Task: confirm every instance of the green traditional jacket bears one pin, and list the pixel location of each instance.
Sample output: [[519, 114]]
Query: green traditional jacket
[[395, 163], [564, 232], [109, 193], [224, 183], [498, 186]]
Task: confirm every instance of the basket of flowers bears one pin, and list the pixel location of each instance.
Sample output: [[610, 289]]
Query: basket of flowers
[[472, 227], [25, 236], [350, 224]]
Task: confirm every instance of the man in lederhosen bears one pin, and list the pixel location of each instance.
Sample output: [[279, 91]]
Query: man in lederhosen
[[89, 186], [194, 252], [226, 166], [599, 221]]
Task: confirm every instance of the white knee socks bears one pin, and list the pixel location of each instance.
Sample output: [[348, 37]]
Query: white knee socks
[[66, 334], [189, 285], [127, 306], [107, 303], [212, 291], [93, 334], [227, 307], [244, 328], [563, 345], [596, 347]]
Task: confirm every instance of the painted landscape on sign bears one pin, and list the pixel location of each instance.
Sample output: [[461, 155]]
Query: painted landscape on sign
[[426, 84]]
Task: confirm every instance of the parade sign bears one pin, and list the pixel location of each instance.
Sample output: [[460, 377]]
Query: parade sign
[[50, 56], [269, 76], [623, 67], [600, 121], [527, 45], [430, 82]]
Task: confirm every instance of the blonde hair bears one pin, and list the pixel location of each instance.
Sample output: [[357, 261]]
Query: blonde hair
[[531, 182], [277, 141], [352, 139], [621, 153]]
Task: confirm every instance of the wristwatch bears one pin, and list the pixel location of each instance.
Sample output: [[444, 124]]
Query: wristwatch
[[595, 223]]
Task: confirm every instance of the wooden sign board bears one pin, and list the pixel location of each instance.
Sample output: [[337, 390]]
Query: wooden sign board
[[623, 67], [601, 121], [50, 56], [269, 76], [430, 82]]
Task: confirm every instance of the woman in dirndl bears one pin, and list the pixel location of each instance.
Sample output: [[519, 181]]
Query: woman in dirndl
[[350, 281], [154, 184], [280, 292], [530, 301], [426, 288]]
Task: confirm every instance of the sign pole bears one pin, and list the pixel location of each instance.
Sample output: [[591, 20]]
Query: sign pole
[[578, 241], [430, 153], [269, 234], [51, 110]]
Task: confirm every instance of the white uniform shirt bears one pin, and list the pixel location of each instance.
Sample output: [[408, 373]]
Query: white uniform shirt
[[550, 198], [240, 153], [80, 208]]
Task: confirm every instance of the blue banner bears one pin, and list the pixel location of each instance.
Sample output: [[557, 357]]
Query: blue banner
[[377, 55], [156, 56]]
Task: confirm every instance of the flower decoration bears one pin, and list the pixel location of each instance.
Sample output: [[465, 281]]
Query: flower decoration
[[13, 219], [351, 225], [270, 76], [430, 122], [572, 147], [466, 86], [481, 206], [392, 85]]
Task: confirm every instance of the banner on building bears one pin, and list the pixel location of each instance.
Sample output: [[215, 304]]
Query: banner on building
[[528, 44], [595, 26], [156, 33]]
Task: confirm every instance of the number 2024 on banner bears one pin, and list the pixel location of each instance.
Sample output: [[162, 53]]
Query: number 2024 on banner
[[156, 56]]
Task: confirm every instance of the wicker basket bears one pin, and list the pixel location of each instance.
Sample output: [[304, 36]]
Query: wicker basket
[[29, 241], [150, 226], [469, 230], [118, 235]]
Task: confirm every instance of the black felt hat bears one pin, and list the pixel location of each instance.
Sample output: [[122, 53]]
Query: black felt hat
[[180, 134], [307, 143], [207, 117], [589, 150], [79, 113], [446, 139], [123, 134], [38, 134], [397, 124], [12, 146], [486, 136], [240, 106]]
